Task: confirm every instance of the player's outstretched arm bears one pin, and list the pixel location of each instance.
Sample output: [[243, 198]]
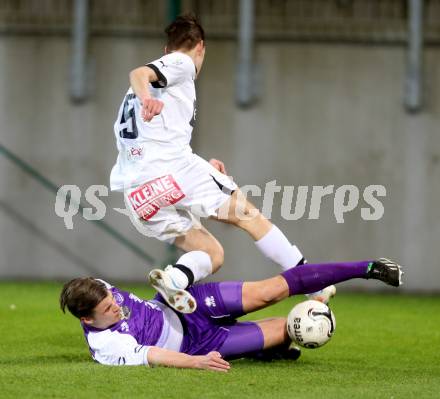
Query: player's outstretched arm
[[140, 78], [164, 357]]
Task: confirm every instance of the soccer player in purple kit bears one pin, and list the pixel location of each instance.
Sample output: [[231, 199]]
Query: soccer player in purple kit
[[167, 187], [122, 329]]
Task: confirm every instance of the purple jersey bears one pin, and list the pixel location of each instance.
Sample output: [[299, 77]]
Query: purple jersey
[[143, 324]]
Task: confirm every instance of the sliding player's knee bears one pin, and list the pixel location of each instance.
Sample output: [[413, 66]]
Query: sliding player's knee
[[274, 332], [272, 290], [268, 295], [278, 326], [280, 330], [256, 295], [282, 325]]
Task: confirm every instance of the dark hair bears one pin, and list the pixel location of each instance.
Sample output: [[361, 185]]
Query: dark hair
[[81, 295], [184, 33]]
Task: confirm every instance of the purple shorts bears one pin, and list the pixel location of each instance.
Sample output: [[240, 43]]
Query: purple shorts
[[213, 326]]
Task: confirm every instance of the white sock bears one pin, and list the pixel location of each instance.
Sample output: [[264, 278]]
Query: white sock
[[199, 262], [275, 246]]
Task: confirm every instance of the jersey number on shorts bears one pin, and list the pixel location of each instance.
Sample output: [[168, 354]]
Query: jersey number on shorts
[[127, 124]]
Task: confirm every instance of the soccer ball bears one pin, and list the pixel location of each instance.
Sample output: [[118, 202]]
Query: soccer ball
[[311, 324]]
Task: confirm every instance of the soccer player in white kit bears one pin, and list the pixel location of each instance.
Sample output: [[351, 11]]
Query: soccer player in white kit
[[167, 187]]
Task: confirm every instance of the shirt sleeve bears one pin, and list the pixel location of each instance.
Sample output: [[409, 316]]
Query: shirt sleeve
[[112, 348], [172, 69]]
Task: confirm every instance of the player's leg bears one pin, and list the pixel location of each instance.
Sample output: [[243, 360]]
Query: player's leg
[[264, 339], [269, 239], [232, 299], [203, 195], [213, 194], [219, 304], [200, 239], [204, 257], [274, 332], [277, 343], [260, 294], [172, 225], [169, 217], [311, 278], [209, 193]]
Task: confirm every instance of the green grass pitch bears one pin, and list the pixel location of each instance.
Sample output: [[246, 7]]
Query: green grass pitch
[[385, 346]]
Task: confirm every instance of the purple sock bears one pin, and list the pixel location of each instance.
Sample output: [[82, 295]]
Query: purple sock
[[311, 278]]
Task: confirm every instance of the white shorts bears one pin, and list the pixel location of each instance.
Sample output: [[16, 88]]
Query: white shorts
[[171, 204]]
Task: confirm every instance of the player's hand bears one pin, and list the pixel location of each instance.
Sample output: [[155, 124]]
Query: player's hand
[[212, 361], [150, 108], [219, 165]]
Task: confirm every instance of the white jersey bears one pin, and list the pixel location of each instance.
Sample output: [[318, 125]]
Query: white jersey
[[147, 149]]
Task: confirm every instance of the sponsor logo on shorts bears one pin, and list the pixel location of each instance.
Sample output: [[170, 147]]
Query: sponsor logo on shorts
[[147, 199], [210, 301]]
